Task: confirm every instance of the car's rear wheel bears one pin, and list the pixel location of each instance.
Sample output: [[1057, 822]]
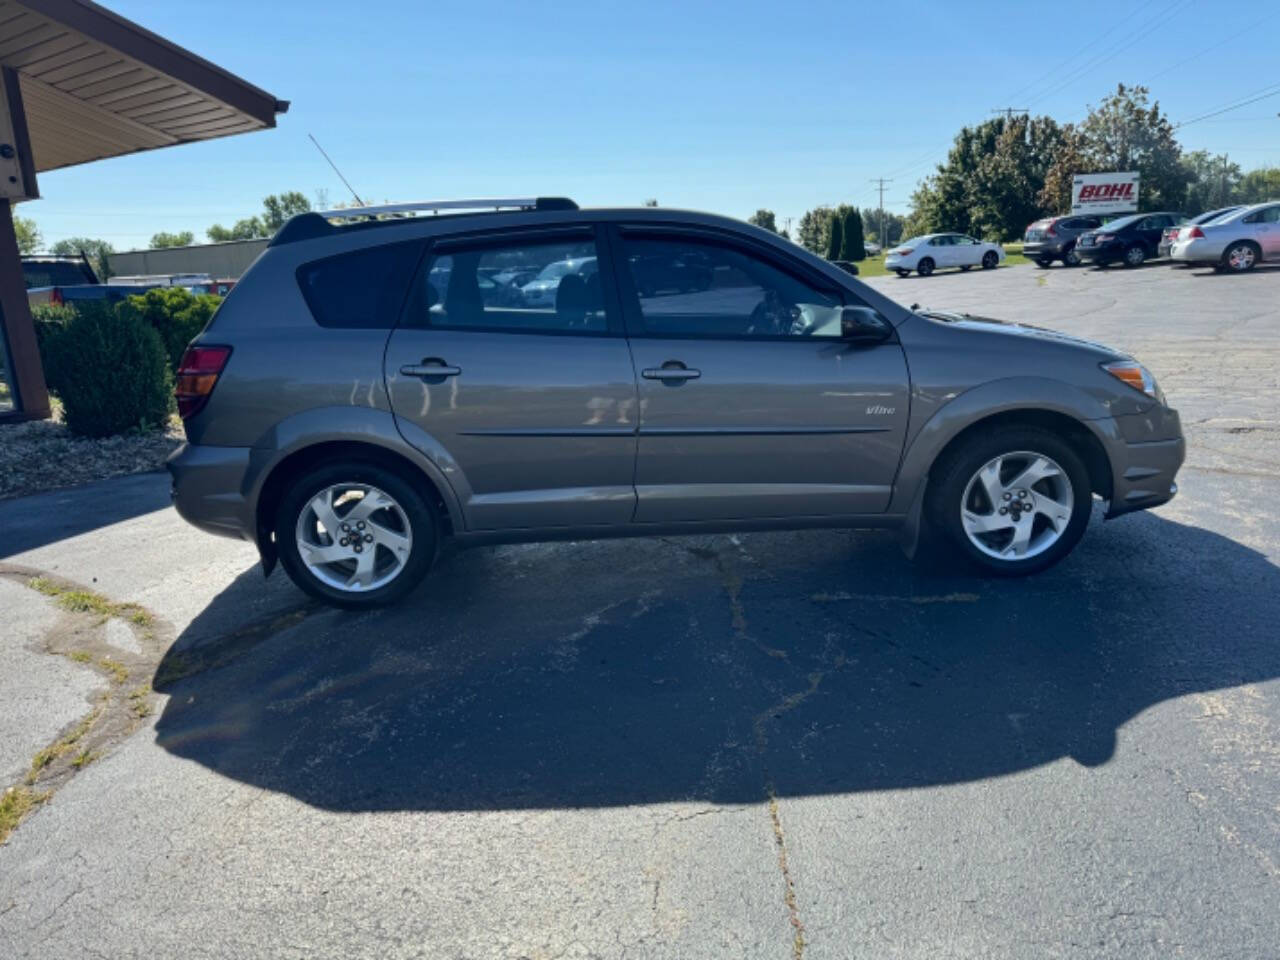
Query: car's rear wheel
[[903, 273], [1013, 501], [1044, 263], [989, 260], [1070, 258], [1135, 256], [355, 534], [1241, 257], [925, 267]]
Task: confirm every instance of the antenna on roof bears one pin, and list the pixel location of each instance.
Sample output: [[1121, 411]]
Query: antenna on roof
[[336, 170]]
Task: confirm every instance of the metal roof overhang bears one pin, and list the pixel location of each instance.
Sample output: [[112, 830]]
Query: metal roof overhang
[[95, 85]]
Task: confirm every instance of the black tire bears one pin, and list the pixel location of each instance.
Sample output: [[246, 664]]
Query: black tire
[[1241, 256], [925, 267], [1070, 258], [990, 260], [1044, 263], [903, 273], [950, 477], [419, 512], [1135, 256]]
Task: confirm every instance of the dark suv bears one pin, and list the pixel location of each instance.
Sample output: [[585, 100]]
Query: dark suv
[[1055, 239], [369, 389], [1131, 240]]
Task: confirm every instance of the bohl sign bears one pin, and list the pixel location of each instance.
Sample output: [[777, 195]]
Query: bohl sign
[[1104, 192]]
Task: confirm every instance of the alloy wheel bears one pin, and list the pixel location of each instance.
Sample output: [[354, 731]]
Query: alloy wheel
[[354, 537], [1017, 505], [1240, 257]]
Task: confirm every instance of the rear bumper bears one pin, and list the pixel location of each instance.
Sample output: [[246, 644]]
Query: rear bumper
[[1035, 249], [1105, 253], [1146, 464], [208, 485], [1199, 250]]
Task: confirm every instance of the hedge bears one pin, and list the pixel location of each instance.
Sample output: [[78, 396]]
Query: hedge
[[176, 314]]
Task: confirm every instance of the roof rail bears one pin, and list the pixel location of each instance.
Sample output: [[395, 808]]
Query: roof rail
[[307, 226], [435, 206]]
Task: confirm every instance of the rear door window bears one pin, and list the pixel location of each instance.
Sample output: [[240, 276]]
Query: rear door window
[[520, 284]]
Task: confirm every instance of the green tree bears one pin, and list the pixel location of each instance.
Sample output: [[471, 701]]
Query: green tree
[[249, 228], [95, 250], [1069, 159], [886, 231], [765, 220], [651, 202], [835, 237], [29, 238], [814, 229], [1125, 132], [1214, 181], [162, 239], [279, 207], [1259, 186], [853, 246]]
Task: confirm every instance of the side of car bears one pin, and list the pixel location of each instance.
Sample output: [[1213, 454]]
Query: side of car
[[1236, 242]]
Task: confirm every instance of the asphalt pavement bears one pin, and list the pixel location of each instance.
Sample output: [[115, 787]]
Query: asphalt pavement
[[791, 745]]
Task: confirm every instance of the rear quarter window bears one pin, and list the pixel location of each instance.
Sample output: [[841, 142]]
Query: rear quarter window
[[364, 289]]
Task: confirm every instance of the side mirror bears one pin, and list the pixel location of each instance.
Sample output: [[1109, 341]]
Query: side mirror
[[863, 325]]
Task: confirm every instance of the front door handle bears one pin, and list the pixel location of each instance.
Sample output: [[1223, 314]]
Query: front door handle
[[671, 370], [430, 367]]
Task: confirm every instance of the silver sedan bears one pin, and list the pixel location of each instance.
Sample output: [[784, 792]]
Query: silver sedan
[[1236, 242]]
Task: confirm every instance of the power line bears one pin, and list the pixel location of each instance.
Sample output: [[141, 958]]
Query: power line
[[1009, 112], [1181, 62], [1262, 94]]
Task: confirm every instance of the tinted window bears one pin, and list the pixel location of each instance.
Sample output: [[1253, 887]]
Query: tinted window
[[56, 274], [700, 288], [364, 289], [1266, 215], [548, 285]]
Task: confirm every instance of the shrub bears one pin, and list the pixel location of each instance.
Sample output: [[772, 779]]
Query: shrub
[[836, 238], [854, 244], [50, 321], [176, 314], [110, 370]]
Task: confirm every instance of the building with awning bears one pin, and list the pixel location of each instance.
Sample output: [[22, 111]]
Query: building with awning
[[79, 83]]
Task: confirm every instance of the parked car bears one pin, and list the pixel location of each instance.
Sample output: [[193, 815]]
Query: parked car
[[377, 415], [873, 249], [1054, 238], [1236, 242], [1171, 233], [935, 251], [1131, 240], [41, 271], [541, 290]]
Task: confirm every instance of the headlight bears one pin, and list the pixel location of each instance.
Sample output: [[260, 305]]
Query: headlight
[[1137, 376]]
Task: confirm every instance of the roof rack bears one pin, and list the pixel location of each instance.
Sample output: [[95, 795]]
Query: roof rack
[[307, 226], [435, 206]]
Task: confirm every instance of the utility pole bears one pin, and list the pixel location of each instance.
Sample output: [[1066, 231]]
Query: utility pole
[[1009, 111], [884, 229], [786, 225]]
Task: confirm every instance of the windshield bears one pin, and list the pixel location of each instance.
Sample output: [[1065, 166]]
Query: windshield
[[554, 271], [1121, 222]]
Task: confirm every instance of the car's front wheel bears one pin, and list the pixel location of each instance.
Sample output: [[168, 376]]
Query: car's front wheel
[[355, 534], [1070, 258], [989, 260], [1014, 500]]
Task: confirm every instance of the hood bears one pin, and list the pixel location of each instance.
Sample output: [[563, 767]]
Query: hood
[[967, 321]]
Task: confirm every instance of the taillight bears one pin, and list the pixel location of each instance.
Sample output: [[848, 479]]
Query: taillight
[[1050, 232], [1173, 233], [55, 297], [197, 376], [903, 252], [1195, 233]]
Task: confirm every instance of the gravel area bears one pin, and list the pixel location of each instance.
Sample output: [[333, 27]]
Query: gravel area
[[45, 455]]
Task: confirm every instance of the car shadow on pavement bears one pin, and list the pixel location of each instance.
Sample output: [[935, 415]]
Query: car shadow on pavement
[[625, 672]]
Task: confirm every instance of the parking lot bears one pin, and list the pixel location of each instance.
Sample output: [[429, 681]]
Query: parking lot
[[770, 745]]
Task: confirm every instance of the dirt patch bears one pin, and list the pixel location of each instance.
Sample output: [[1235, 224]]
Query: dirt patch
[[45, 455]]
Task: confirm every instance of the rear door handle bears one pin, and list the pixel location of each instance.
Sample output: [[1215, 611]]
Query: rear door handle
[[430, 367], [671, 372]]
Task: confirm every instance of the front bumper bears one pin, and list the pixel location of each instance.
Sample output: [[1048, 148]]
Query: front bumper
[[1102, 253], [208, 489], [1146, 462]]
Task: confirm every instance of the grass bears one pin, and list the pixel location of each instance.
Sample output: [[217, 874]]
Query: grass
[[16, 803], [86, 601], [61, 746]]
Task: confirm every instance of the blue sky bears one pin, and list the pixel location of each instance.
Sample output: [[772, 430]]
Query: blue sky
[[723, 107]]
